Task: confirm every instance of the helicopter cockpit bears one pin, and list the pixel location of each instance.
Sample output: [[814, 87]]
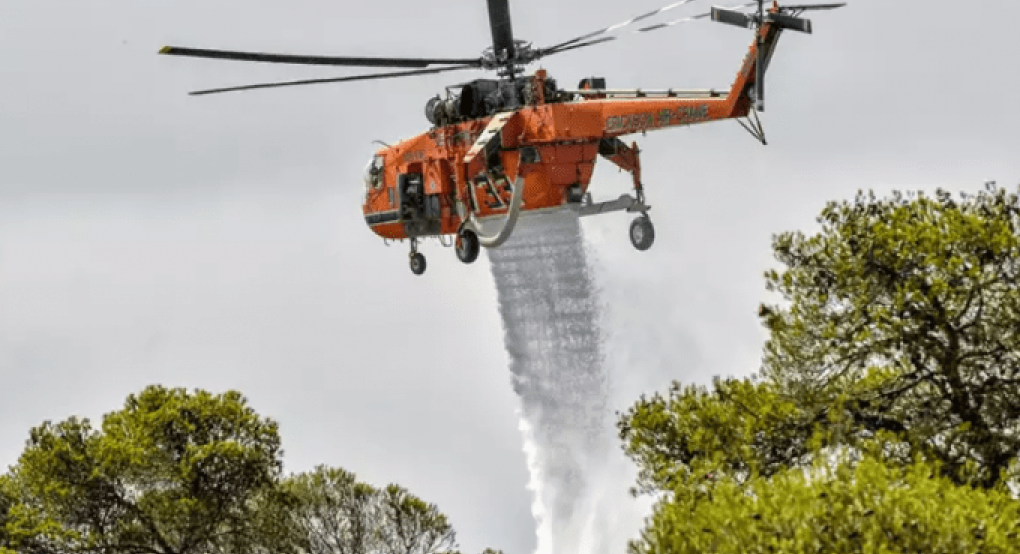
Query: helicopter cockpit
[[373, 175]]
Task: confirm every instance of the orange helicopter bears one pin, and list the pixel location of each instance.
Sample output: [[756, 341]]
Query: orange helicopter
[[499, 147]]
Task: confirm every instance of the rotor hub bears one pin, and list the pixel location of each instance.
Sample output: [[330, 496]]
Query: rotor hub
[[524, 54]]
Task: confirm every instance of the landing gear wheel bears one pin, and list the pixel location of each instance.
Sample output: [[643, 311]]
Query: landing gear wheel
[[642, 234], [417, 263], [467, 246]]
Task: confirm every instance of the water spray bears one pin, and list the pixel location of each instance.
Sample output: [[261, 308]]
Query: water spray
[[549, 306]]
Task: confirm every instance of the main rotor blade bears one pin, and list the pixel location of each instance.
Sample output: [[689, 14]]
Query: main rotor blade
[[331, 80], [581, 45], [692, 18], [612, 28], [311, 60], [502, 30], [550, 52]]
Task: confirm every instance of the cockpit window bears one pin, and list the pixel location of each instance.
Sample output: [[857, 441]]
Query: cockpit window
[[373, 177], [373, 172]]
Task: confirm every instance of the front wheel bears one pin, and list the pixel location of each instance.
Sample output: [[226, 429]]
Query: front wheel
[[467, 246], [417, 263], [642, 234]]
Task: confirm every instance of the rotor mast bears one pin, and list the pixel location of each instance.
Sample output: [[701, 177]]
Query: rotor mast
[[502, 33], [504, 48]]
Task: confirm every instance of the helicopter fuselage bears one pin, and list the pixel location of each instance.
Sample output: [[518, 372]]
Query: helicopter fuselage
[[431, 183]]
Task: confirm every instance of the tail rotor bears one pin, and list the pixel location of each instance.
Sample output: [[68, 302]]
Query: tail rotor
[[784, 17]]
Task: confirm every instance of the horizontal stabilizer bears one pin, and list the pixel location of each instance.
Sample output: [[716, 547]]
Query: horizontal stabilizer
[[731, 17], [790, 22]]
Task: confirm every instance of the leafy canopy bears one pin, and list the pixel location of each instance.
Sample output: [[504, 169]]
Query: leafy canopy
[[178, 472], [334, 513], [922, 297], [7, 501], [738, 427], [869, 506], [898, 335], [172, 472], [900, 316]]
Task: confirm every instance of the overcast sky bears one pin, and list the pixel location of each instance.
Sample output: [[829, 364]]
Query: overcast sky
[[151, 237]]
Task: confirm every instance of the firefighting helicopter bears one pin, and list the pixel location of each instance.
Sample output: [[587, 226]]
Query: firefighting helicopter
[[518, 143]]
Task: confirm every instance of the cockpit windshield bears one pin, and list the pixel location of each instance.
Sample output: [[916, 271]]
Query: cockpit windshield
[[373, 174]]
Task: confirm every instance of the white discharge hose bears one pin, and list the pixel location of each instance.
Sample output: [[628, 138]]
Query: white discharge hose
[[509, 222]]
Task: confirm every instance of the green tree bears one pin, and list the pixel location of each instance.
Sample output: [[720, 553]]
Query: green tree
[[738, 427], [868, 506], [920, 297], [271, 527], [172, 472], [23, 527], [334, 513], [7, 501], [899, 315], [900, 321], [409, 525]]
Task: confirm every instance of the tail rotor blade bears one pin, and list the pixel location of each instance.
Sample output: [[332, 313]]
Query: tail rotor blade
[[731, 17], [790, 22]]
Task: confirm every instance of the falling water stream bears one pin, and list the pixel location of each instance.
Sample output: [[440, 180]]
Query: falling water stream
[[551, 320]]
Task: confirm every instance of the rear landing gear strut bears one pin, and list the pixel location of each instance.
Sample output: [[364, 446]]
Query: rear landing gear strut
[[417, 258], [627, 158]]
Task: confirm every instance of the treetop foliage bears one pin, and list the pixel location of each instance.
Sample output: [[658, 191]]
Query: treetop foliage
[[172, 472], [922, 298], [740, 426], [179, 472], [334, 513], [869, 506], [895, 348], [7, 501]]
